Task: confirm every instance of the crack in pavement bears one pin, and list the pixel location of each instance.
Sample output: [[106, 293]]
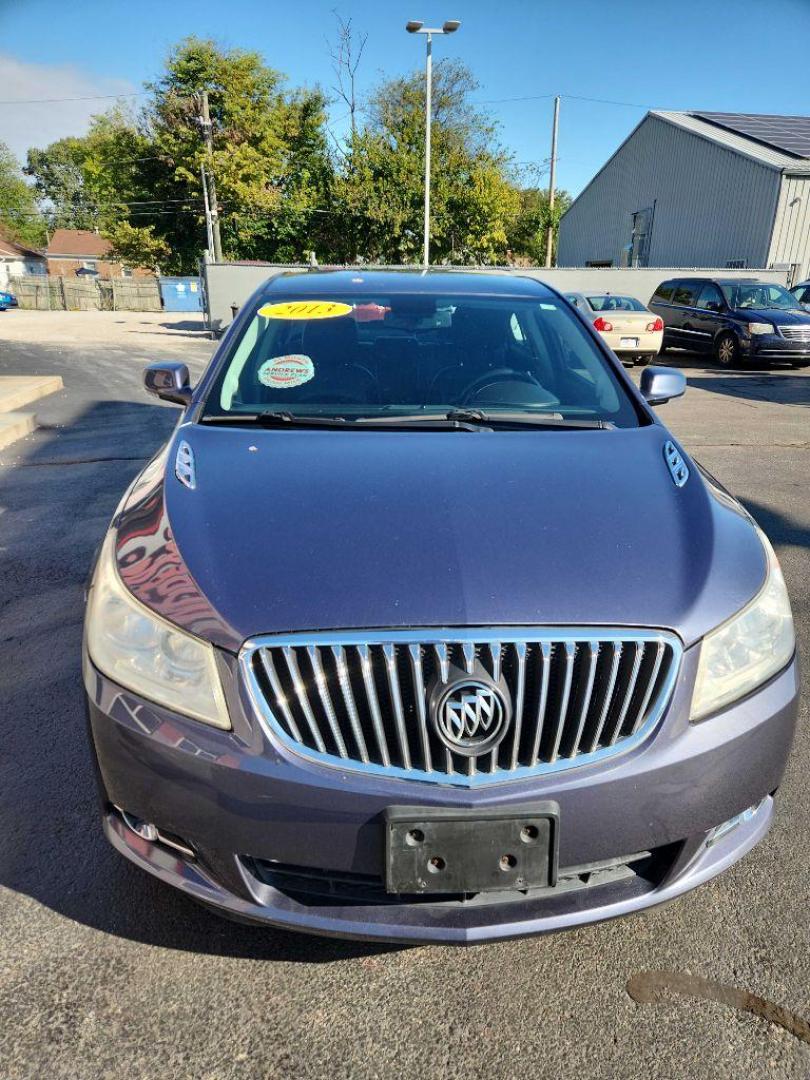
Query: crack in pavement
[[647, 987]]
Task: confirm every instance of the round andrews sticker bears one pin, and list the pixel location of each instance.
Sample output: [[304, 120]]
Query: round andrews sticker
[[285, 372]]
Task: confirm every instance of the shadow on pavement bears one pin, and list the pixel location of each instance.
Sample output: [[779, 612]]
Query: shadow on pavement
[[55, 504], [197, 323], [784, 390], [779, 528], [680, 358], [183, 328]]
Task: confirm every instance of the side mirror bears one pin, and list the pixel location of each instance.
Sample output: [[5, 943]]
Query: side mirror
[[659, 384], [169, 381]]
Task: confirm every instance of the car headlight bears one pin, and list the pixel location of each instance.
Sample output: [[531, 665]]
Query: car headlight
[[746, 651], [146, 654], [761, 328]]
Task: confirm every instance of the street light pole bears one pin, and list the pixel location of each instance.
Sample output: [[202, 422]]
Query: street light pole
[[449, 27], [428, 119]]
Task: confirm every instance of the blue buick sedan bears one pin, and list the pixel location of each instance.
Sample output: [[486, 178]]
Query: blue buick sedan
[[423, 626]]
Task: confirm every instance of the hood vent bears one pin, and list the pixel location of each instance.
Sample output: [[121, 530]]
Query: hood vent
[[675, 463], [184, 468]]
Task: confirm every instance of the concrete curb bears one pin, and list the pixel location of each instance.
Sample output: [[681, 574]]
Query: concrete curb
[[13, 425], [15, 392]]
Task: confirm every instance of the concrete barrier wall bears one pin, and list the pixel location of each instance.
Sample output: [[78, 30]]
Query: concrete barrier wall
[[230, 284], [227, 285]]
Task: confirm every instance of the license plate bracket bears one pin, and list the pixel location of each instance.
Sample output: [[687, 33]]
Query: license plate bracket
[[449, 850]]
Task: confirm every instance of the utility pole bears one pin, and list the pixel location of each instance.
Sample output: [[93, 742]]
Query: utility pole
[[209, 145], [209, 232], [551, 182]]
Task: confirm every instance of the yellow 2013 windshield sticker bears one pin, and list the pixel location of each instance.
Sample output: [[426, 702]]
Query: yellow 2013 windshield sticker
[[305, 309]]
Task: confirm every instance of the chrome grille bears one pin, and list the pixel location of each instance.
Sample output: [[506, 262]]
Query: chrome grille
[[795, 333], [362, 700]]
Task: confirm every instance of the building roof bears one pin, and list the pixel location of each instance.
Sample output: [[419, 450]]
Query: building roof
[[729, 130], [79, 243], [745, 134], [10, 249], [788, 133]]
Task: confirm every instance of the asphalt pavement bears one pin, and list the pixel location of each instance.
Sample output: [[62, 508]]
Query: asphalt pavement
[[106, 973]]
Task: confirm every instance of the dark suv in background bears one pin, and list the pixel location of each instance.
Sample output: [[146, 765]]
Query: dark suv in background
[[736, 319]]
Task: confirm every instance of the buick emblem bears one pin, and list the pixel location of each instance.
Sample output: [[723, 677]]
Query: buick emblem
[[470, 716]]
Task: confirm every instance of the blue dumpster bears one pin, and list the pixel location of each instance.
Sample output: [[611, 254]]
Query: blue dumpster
[[181, 293]]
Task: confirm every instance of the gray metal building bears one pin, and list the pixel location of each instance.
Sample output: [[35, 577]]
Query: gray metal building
[[698, 190]]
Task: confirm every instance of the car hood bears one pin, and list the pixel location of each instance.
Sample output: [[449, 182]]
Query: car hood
[[794, 317], [299, 530]]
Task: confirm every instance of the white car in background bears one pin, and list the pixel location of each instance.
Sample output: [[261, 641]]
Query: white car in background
[[629, 329]]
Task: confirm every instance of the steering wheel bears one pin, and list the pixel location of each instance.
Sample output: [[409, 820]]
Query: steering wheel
[[495, 376], [345, 399]]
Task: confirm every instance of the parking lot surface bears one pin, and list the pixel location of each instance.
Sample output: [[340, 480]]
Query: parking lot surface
[[104, 972]]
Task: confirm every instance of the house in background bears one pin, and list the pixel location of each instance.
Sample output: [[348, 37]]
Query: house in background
[[719, 190], [71, 251], [16, 260], [81, 252]]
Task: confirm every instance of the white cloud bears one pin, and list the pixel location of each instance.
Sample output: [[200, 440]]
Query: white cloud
[[26, 125]]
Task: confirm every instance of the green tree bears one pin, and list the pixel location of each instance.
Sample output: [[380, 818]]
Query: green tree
[[95, 181], [270, 162], [529, 232], [20, 218], [269, 157], [137, 245], [474, 201]]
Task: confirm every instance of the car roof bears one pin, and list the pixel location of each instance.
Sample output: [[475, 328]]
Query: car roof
[[716, 280], [741, 281], [612, 295], [436, 282]]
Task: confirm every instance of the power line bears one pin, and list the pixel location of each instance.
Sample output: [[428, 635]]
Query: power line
[[126, 161], [607, 101], [482, 101], [83, 97], [570, 97], [113, 203], [502, 101]]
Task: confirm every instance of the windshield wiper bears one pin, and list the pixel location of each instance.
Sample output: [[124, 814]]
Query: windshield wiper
[[436, 422], [275, 419], [522, 419], [454, 420], [428, 421]]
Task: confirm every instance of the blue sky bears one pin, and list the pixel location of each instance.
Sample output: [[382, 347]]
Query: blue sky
[[709, 54]]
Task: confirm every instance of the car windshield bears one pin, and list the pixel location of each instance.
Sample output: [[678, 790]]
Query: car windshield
[[759, 294], [615, 303], [382, 355]]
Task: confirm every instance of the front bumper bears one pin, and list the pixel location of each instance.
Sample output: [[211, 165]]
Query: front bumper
[[259, 817], [775, 347]]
